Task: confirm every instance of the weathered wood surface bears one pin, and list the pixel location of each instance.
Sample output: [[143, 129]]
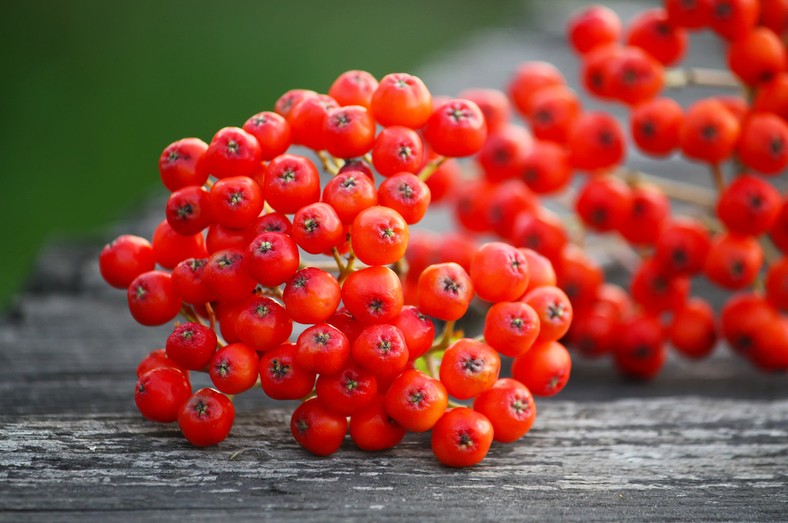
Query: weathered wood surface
[[706, 441]]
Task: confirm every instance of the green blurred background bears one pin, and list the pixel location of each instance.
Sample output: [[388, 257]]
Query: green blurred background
[[93, 90]]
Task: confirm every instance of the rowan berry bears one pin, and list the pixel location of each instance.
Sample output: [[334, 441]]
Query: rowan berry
[[152, 298], [416, 401], [161, 392], [317, 429], [125, 258], [178, 164], [191, 345], [234, 368], [206, 418], [462, 437], [280, 375]]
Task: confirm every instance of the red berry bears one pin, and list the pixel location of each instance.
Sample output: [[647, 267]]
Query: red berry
[[652, 31], [456, 128], [349, 131], [554, 310], [232, 152], [317, 229], [468, 368], [381, 349], [171, 248], [281, 377], [125, 258], [349, 193], [640, 348], [160, 393], [593, 27], [191, 345], [206, 418], [445, 291], [311, 296], [323, 349], [749, 205], [692, 331], [499, 272], [188, 210], [373, 429], [462, 437], [272, 132], [379, 236], [416, 401], [655, 126], [401, 99], [397, 149], [291, 182], [353, 88], [236, 201], [763, 144], [307, 121], [528, 79], [733, 19], [348, 391], [318, 430], [152, 298], [272, 258], [263, 324], [373, 295], [544, 369], [596, 142], [227, 277], [407, 195], [418, 330], [178, 164], [510, 408]]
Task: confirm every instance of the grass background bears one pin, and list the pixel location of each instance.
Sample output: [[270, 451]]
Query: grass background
[[92, 90]]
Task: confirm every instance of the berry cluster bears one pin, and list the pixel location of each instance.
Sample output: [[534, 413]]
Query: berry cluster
[[252, 243], [736, 237]]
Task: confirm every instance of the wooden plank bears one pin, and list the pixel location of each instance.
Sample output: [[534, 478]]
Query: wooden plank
[[668, 458]]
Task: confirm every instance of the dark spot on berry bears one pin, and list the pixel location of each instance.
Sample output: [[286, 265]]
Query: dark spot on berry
[[278, 369], [473, 365]]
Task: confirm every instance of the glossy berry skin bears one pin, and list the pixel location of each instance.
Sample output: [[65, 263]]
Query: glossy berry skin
[[648, 211], [171, 248], [468, 368], [373, 295], [655, 126], [156, 359], [763, 145], [652, 31], [353, 88], [779, 231], [656, 290], [281, 377], [407, 195], [777, 284], [634, 76], [540, 270], [125, 258], [456, 128], [417, 329], [191, 345], [349, 193], [462, 437], [640, 350], [291, 182], [743, 318], [178, 164], [554, 309], [263, 324], [401, 99], [694, 14], [307, 121], [272, 132], [593, 331], [227, 277], [579, 276], [188, 210], [494, 104], [311, 296], [232, 152], [511, 328], [554, 111], [372, 429], [381, 349], [219, 238], [596, 72], [708, 132], [348, 391], [528, 78], [733, 19], [236, 201], [152, 298], [206, 418], [758, 57], [692, 332], [682, 247], [445, 291], [317, 228], [416, 401], [510, 408], [349, 131], [160, 393], [772, 96], [499, 272], [323, 349], [604, 203], [593, 27], [733, 261], [317, 429], [546, 167], [234, 368], [289, 100], [272, 258], [501, 156], [596, 142], [542, 232], [379, 236], [749, 205], [544, 369], [397, 149]]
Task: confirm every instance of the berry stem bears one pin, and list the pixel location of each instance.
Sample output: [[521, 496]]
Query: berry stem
[[674, 189], [338, 259], [430, 168], [211, 316], [433, 368], [682, 77], [719, 180], [329, 163]]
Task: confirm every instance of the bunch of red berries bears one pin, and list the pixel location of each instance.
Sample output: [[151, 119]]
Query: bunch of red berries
[[726, 236], [252, 244]]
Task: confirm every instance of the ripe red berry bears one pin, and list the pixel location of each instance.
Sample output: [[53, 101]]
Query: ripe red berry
[[397, 149], [373, 295], [379, 236], [188, 210], [263, 324], [499, 272], [749, 205], [468, 368], [191, 345], [317, 228], [692, 14], [233, 368], [232, 152], [353, 88], [510, 408], [323, 349], [416, 401], [272, 258], [206, 418], [307, 121], [289, 100], [418, 330], [757, 57], [381, 349], [156, 359], [349, 193], [682, 247], [125, 258], [161, 392], [493, 103], [349, 131], [544, 369], [596, 142], [540, 270], [178, 164], [407, 195], [348, 391], [553, 113], [593, 27], [272, 132], [604, 203], [311, 296], [733, 261], [445, 291], [462, 437], [236, 201], [733, 19], [373, 429], [291, 182], [456, 128], [657, 290], [152, 298], [763, 144], [554, 310], [401, 99], [281, 377], [502, 154], [634, 76], [649, 210], [655, 126], [171, 248], [227, 277], [652, 31], [640, 349], [317, 429], [692, 331], [528, 79], [542, 232], [546, 167], [708, 132]]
